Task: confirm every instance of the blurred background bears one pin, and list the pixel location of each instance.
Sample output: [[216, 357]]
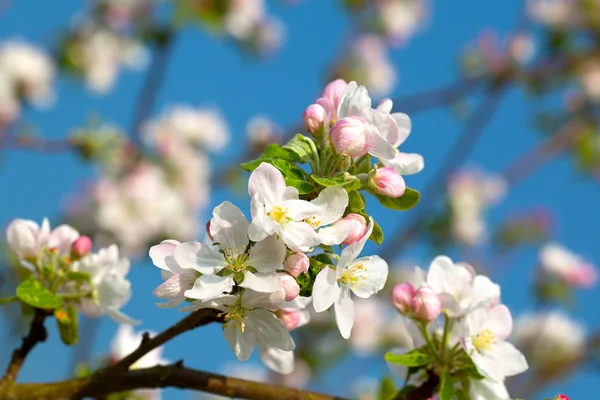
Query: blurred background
[[128, 119]]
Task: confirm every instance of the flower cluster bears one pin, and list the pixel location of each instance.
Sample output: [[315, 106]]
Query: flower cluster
[[26, 73], [557, 262], [65, 276], [262, 274], [473, 333]]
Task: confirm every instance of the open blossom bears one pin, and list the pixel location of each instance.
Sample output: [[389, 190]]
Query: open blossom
[[364, 277], [177, 280], [550, 340], [400, 19], [276, 209], [555, 13], [559, 262], [110, 289], [27, 239], [249, 322], [229, 228], [484, 332]]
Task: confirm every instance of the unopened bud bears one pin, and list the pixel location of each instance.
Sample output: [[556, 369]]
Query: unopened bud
[[296, 264], [401, 297], [561, 397], [358, 230], [81, 246], [351, 137], [290, 286], [314, 118], [426, 305], [291, 318], [387, 181]]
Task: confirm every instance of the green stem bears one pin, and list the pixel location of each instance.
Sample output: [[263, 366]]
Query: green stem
[[423, 330], [73, 296], [4, 300], [316, 164], [447, 328], [323, 155]]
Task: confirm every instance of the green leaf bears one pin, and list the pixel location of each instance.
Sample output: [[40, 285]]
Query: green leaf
[[356, 203], [78, 276], [414, 358], [272, 152], [447, 387], [352, 183], [408, 200], [387, 389], [300, 145], [289, 170], [336, 181], [377, 234], [66, 321], [306, 281], [34, 293], [323, 258], [302, 186]]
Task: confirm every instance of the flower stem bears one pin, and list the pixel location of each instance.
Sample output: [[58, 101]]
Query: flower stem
[[423, 330], [447, 328], [4, 300], [316, 164]]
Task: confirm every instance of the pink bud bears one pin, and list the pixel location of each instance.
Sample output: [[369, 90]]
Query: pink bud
[[290, 286], [351, 137], [208, 231], [388, 182], [401, 297], [581, 275], [358, 230], [290, 317], [333, 91], [314, 117], [561, 397], [426, 305], [81, 246], [296, 264]]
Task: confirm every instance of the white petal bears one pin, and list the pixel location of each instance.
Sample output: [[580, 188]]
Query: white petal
[[487, 389], [291, 193], [241, 343], [262, 226], [375, 276], [61, 238], [265, 282], [299, 236], [300, 209], [333, 202], [406, 163], [299, 302], [350, 253], [162, 255], [121, 318], [325, 289], [278, 360], [175, 286], [229, 227], [475, 321], [172, 303], [268, 181], [445, 276], [270, 301], [335, 234], [209, 287], [499, 321], [381, 149], [270, 330], [354, 100], [268, 255], [198, 256], [504, 360], [484, 291], [344, 312], [22, 236], [404, 127]]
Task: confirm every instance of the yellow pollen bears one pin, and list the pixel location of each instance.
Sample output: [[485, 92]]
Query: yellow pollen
[[484, 341], [236, 318], [279, 214], [313, 221], [354, 275]]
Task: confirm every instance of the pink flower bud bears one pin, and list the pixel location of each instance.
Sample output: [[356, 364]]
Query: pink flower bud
[[358, 230], [314, 117], [581, 275], [426, 305], [561, 397], [208, 231], [296, 264], [388, 182], [290, 317], [290, 286], [351, 137], [81, 246], [401, 297], [333, 91]]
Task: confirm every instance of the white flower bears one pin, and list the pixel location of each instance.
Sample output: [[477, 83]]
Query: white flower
[[559, 262], [110, 289], [27, 239], [124, 343], [389, 130], [332, 203], [229, 229], [365, 277], [248, 322], [276, 209], [177, 280], [484, 333], [487, 389]]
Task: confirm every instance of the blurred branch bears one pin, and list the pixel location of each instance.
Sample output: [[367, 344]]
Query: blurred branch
[[23, 142], [438, 97], [37, 333]]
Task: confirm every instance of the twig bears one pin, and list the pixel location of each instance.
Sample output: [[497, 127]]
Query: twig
[[160, 377], [37, 333], [438, 97], [426, 391], [36, 144]]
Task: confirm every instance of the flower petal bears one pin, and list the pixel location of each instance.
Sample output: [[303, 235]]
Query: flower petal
[[406, 163], [264, 283], [262, 226], [268, 255], [268, 181], [344, 312], [336, 233], [278, 360], [176, 285], [325, 289], [381, 149], [209, 287], [269, 329], [198, 256], [300, 209], [299, 236], [229, 227], [270, 301], [499, 321], [241, 343], [162, 255], [333, 202], [350, 253], [374, 277], [120, 318]]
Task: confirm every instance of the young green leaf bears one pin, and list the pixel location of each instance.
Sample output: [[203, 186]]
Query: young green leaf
[[272, 152], [414, 358], [408, 200], [34, 293], [301, 146], [302, 186], [377, 234], [66, 321], [446, 387], [387, 388], [326, 182], [356, 203]]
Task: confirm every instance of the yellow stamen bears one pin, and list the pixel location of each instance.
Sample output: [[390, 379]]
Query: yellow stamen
[[354, 275], [484, 341], [279, 214]]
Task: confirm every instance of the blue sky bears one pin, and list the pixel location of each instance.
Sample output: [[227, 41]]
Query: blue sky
[[205, 71]]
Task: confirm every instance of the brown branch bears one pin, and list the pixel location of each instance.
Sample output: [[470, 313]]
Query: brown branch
[[426, 391], [37, 333], [160, 377]]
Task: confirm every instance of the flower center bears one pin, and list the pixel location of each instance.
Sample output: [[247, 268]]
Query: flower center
[[484, 341], [237, 259], [279, 215], [354, 275], [235, 316], [313, 221]]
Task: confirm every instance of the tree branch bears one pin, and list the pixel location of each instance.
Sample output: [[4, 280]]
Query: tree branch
[[42, 145], [37, 333], [426, 391]]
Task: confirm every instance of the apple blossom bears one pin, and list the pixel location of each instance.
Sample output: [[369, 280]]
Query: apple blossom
[[401, 297], [387, 181], [232, 255], [426, 305], [296, 264], [484, 332], [351, 137], [330, 98], [559, 262], [364, 276], [289, 286], [314, 118], [81, 246], [110, 289]]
